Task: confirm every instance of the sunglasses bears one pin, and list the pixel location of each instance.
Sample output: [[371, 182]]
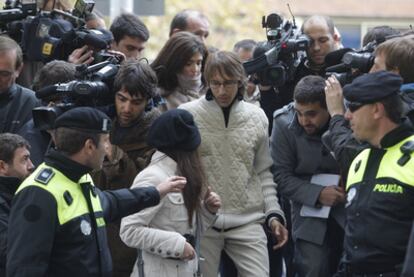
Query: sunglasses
[[353, 106]]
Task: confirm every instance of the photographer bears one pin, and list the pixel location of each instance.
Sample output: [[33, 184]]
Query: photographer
[[392, 55], [51, 73], [244, 49], [16, 102], [58, 218], [65, 33], [129, 153], [321, 32], [30, 68]]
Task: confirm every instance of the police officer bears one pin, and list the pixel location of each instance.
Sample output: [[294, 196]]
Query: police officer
[[57, 222], [380, 185]]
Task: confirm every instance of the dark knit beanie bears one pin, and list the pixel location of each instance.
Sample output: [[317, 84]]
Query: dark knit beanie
[[176, 130]]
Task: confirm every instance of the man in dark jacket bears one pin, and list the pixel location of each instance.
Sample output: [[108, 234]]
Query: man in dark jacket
[[299, 155], [15, 166], [134, 87], [16, 102], [58, 218]]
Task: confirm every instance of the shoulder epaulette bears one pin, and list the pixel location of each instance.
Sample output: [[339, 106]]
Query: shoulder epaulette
[[407, 149], [285, 109], [44, 176]]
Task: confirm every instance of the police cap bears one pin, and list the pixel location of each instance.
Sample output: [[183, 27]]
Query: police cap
[[84, 118], [373, 87]]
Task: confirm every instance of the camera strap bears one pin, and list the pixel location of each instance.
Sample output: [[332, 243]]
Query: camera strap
[[10, 120], [140, 263], [197, 243]]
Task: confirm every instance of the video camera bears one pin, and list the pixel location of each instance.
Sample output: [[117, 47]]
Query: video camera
[[352, 63], [13, 16], [278, 62], [45, 36], [346, 64], [93, 87]]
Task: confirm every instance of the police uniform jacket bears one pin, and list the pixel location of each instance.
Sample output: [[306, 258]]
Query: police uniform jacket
[[57, 223], [380, 205]]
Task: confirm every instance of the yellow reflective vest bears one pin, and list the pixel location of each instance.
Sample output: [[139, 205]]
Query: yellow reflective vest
[[77, 246], [380, 208], [57, 221]]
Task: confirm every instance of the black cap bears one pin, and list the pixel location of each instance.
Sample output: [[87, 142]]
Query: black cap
[[174, 129], [373, 87], [84, 118]]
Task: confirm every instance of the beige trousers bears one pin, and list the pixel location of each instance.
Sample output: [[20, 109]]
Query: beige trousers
[[245, 245]]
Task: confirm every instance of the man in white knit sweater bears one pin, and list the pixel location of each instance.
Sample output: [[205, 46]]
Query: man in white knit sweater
[[235, 152]]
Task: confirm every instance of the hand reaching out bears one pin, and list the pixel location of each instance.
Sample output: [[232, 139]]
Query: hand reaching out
[[171, 184]]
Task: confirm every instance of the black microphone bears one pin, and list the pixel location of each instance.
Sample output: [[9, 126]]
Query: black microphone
[[338, 68], [61, 88], [335, 57], [46, 92]]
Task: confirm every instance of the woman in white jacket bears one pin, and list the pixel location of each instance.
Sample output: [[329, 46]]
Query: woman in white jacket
[[167, 233]]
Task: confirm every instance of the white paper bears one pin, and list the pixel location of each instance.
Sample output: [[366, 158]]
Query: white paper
[[323, 180]]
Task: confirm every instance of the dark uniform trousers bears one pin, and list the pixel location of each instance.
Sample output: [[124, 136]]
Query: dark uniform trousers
[[380, 207]]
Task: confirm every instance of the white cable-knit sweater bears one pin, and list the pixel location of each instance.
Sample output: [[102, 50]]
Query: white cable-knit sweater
[[237, 160]]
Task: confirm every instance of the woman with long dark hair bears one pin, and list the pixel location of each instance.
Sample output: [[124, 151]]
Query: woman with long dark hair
[[168, 233], [179, 67]]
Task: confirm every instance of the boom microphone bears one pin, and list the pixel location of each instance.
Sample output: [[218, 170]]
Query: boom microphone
[[46, 92]]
